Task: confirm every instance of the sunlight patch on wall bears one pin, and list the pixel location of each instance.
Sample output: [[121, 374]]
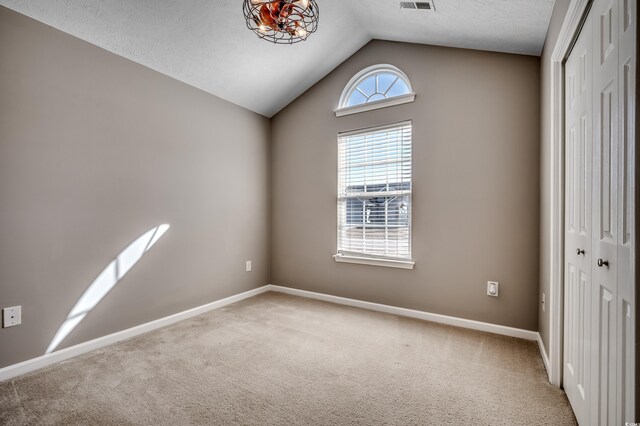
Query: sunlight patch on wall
[[107, 279]]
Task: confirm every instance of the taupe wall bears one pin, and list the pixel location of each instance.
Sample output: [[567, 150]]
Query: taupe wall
[[476, 185], [559, 12], [94, 151]]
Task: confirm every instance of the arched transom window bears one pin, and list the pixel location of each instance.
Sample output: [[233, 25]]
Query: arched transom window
[[376, 86]]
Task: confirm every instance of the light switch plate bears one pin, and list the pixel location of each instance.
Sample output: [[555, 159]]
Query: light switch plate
[[248, 266], [11, 316]]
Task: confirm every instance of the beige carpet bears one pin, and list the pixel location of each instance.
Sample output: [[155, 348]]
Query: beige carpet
[[278, 359]]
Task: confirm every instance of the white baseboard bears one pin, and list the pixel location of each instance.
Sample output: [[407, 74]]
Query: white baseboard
[[411, 313], [73, 351], [81, 348], [545, 357]]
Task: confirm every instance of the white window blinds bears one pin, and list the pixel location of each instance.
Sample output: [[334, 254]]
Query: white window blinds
[[374, 192]]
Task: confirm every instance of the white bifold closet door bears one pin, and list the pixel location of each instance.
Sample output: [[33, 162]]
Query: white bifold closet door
[[605, 214], [599, 226], [626, 287], [578, 190]]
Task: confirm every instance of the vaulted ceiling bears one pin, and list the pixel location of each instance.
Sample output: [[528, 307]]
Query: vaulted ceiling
[[206, 44]]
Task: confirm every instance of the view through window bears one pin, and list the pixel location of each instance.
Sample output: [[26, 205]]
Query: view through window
[[374, 192]]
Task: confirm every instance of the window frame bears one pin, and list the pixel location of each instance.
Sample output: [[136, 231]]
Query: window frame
[[361, 76], [346, 256]]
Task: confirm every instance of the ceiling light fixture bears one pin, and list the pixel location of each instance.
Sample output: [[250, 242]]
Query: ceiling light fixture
[[281, 21]]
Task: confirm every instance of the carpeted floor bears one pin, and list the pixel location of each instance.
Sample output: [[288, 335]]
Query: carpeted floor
[[279, 359]]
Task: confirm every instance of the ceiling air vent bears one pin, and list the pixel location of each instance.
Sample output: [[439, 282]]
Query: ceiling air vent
[[421, 5]]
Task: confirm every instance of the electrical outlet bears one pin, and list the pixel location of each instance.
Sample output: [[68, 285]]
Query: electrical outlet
[[492, 288], [247, 266], [543, 302], [11, 316]]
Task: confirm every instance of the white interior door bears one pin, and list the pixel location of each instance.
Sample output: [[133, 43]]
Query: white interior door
[[605, 212], [599, 286], [625, 362], [578, 222]]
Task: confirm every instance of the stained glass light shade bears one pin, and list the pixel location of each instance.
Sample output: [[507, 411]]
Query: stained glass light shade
[[281, 21]]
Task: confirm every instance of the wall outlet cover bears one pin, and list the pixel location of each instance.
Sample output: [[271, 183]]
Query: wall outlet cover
[[11, 316], [492, 288], [248, 266]]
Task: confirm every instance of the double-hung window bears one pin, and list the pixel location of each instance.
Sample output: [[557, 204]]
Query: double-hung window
[[374, 196]]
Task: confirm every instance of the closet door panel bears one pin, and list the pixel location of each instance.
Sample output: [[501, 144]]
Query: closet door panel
[[604, 296], [626, 154], [578, 222]]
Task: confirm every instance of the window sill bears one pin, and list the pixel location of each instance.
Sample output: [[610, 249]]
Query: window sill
[[402, 264], [383, 103]]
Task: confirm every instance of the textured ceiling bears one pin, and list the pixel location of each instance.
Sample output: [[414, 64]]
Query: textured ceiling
[[513, 26], [206, 43]]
